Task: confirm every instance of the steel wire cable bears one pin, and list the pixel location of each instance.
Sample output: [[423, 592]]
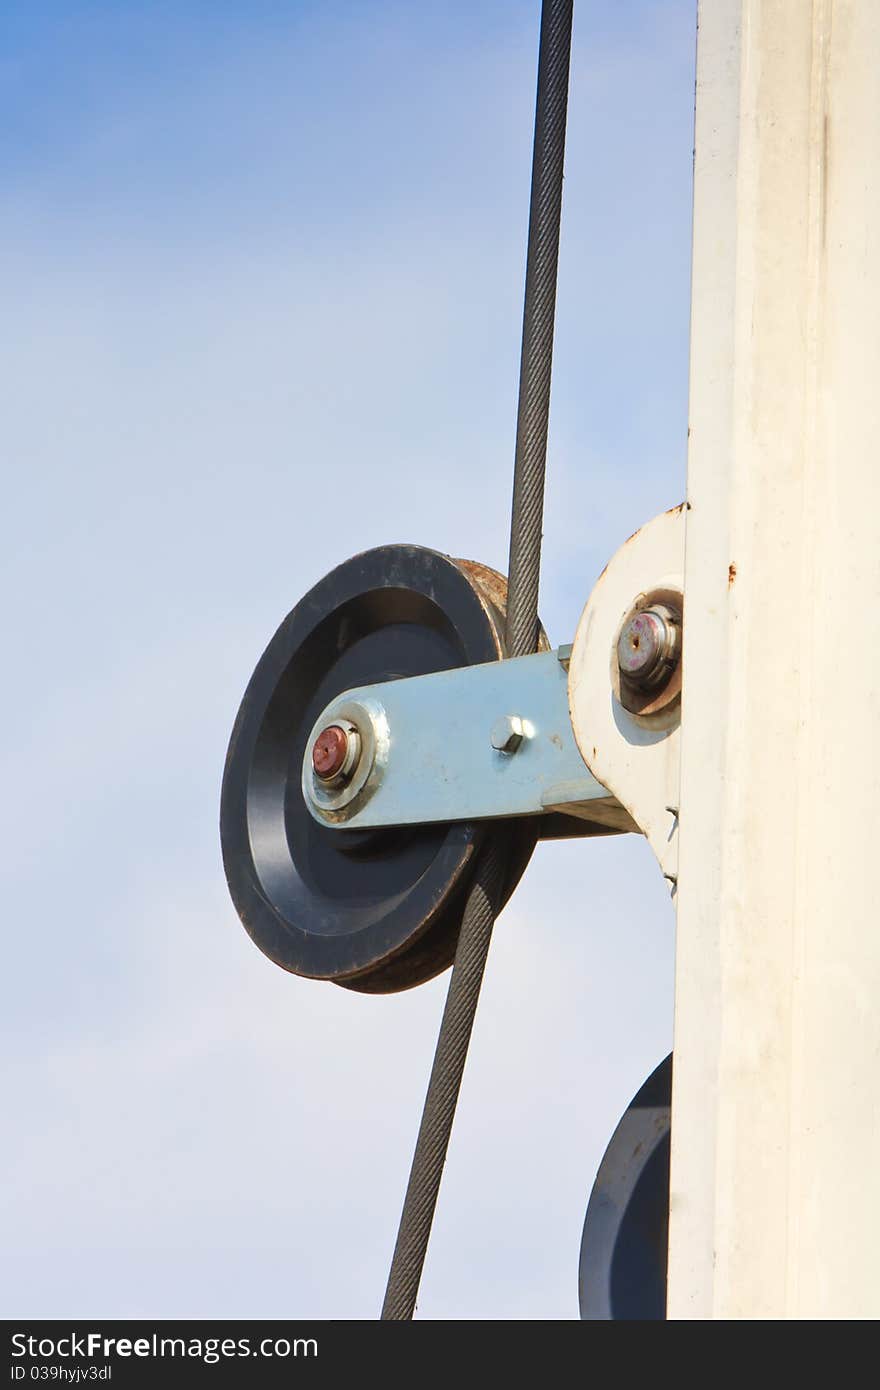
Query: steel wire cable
[[521, 632]]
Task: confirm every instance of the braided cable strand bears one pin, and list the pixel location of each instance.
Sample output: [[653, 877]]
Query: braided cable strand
[[443, 1088], [521, 638], [539, 315]]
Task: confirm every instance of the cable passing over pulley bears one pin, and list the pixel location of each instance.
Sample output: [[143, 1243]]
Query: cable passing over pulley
[[409, 734]]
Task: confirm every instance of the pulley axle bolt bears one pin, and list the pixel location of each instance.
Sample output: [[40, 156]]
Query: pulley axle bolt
[[649, 647], [331, 751]]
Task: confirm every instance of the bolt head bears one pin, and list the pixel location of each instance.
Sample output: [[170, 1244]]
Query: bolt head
[[645, 643], [507, 733], [329, 752]]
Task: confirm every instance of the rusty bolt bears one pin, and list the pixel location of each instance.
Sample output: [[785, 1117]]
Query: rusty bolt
[[648, 647], [330, 752]]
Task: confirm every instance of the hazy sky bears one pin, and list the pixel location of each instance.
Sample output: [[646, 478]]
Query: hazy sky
[[247, 246]]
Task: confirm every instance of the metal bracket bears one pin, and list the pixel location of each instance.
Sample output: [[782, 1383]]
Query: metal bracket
[[561, 731], [635, 751], [474, 743]]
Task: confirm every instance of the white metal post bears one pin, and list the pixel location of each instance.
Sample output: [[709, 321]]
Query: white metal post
[[775, 1193]]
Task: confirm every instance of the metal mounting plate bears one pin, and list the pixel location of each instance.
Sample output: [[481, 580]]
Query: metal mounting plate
[[637, 755], [432, 757]]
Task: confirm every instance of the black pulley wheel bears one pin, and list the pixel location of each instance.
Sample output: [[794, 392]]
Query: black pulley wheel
[[374, 910], [626, 1231]]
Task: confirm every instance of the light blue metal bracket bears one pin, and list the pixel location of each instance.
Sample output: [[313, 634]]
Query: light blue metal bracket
[[474, 743]]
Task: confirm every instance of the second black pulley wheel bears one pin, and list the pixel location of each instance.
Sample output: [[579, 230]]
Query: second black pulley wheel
[[374, 910]]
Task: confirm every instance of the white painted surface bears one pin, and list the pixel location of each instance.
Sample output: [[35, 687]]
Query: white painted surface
[[637, 759], [775, 1204]]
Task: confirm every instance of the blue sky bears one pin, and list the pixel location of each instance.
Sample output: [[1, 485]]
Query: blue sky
[[245, 246]]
